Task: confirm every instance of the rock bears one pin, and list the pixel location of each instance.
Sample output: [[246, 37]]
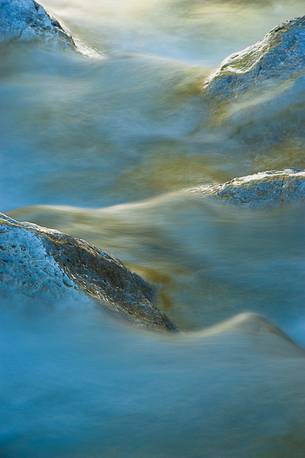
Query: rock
[[280, 56], [26, 20], [260, 190], [254, 102], [265, 189], [199, 244], [47, 265]]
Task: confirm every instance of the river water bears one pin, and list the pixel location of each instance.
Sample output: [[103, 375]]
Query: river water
[[100, 146]]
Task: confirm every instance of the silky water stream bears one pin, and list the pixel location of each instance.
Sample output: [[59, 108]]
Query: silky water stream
[[101, 146]]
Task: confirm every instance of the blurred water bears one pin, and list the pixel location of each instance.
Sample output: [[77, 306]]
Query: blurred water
[[93, 132], [78, 385], [210, 261], [93, 146]]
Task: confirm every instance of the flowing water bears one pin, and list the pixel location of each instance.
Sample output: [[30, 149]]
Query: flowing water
[[101, 147]]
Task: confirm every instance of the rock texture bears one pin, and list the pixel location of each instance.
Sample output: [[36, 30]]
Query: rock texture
[[278, 57], [48, 265], [254, 102], [265, 189], [26, 20]]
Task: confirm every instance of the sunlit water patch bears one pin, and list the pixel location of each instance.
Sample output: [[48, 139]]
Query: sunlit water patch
[[202, 32]]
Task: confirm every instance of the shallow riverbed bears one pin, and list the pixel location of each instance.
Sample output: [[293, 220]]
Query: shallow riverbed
[[100, 146]]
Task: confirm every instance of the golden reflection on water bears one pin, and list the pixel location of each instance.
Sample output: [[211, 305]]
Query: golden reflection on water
[[209, 261], [190, 30]]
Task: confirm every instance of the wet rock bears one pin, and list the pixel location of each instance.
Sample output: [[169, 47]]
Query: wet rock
[[203, 246], [265, 189], [280, 56], [255, 100], [48, 265], [27, 20]]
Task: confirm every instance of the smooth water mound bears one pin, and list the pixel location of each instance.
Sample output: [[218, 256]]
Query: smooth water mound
[[249, 324], [48, 265], [259, 331], [27, 20]]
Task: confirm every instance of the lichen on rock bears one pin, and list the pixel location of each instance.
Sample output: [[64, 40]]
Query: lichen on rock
[[50, 266]]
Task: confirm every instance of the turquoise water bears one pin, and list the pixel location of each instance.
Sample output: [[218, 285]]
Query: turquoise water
[[101, 147]]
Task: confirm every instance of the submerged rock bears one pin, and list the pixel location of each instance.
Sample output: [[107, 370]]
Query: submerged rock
[[47, 265], [278, 57], [27, 20], [247, 323], [258, 332]]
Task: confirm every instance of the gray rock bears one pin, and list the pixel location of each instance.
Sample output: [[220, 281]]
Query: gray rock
[[49, 266], [26, 20], [280, 56], [254, 102], [264, 189]]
